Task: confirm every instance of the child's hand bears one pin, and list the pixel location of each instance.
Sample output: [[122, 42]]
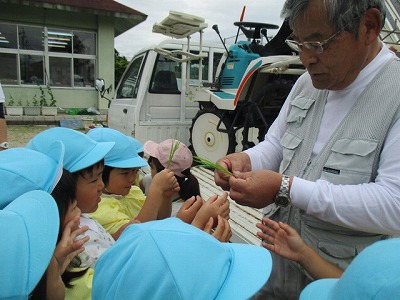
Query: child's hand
[[285, 241], [216, 205], [189, 209], [166, 182], [223, 230], [67, 248]]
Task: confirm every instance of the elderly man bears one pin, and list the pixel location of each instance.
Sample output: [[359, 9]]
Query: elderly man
[[329, 164]]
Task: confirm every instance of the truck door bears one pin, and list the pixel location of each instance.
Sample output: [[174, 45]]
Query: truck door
[[121, 114]]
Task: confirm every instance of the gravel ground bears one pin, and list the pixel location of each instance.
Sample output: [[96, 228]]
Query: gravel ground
[[19, 135]]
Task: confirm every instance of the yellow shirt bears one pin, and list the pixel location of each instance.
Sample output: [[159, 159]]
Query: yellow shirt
[[82, 286], [115, 211]]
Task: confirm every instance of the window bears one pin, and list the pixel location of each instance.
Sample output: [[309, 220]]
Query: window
[[165, 76], [31, 69], [130, 83], [41, 55]]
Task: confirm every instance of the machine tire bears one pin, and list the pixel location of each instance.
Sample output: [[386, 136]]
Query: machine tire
[[207, 142]]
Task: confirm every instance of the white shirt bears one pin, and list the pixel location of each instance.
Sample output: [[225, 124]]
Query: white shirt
[[371, 207], [100, 241]]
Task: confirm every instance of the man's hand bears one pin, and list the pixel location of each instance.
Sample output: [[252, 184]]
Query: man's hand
[[255, 189], [232, 162]]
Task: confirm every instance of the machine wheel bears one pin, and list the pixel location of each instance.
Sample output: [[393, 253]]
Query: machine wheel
[[206, 140]]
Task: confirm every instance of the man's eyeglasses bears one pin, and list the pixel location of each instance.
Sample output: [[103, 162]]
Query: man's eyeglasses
[[316, 47]]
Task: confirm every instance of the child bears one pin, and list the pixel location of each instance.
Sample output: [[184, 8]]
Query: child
[[122, 201], [23, 170], [170, 259], [286, 242], [180, 163], [28, 234], [30, 172], [57, 276], [84, 159], [373, 274]]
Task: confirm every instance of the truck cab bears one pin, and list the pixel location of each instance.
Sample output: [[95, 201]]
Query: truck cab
[[153, 100]]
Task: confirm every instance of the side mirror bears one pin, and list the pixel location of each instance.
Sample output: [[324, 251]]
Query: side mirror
[[100, 85]]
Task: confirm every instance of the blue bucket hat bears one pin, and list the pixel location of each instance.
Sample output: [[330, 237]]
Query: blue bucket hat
[[29, 228], [80, 150], [23, 170], [138, 145], [174, 260], [124, 154], [373, 274]]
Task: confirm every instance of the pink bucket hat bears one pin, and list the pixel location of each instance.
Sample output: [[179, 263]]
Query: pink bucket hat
[[181, 160]]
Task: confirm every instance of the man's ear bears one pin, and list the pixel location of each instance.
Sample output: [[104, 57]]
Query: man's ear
[[372, 24]]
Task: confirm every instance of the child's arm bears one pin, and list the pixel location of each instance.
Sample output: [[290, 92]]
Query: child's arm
[[158, 200], [216, 205], [286, 242]]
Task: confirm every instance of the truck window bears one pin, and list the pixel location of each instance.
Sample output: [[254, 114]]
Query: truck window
[[166, 77], [129, 85], [194, 68]]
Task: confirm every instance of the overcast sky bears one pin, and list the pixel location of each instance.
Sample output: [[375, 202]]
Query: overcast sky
[[221, 12]]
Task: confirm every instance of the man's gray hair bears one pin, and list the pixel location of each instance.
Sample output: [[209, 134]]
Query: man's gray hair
[[341, 14]]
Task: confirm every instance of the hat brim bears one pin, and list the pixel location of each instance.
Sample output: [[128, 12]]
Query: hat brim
[[34, 216], [150, 148], [319, 289], [134, 162], [250, 270], [96, 154]]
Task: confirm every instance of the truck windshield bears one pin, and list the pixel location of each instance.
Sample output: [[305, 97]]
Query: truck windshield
[[129, 85]]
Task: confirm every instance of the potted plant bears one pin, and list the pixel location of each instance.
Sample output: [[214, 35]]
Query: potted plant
[[34, 109], [48, 108], [14, 108]]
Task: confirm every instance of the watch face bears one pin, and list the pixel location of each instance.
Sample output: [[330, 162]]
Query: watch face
[[282, 201]]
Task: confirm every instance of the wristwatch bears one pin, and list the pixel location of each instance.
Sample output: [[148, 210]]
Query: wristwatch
[[4, 145], [282, 198]]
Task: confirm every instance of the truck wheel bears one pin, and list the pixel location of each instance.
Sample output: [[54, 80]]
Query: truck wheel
[[206, 140]]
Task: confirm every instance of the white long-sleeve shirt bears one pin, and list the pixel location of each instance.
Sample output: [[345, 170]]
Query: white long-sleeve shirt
[[371, 207]]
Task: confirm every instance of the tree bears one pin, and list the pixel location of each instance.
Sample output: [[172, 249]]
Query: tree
[[120, 64]]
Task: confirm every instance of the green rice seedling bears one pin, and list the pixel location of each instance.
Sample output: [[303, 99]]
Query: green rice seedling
[[205, 163], [174, 148]]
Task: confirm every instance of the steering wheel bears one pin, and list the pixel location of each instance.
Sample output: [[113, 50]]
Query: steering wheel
[[251, 33]]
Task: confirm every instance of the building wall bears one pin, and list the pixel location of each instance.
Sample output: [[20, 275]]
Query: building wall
[[67, 97]]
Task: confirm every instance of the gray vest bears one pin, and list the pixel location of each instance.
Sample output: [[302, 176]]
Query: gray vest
[[351, 156]]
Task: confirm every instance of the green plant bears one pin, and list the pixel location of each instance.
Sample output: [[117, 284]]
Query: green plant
[[174, 147], [11, 102], [27, 103], [202, 162], [43, 101], [35, 101], [52, 99]]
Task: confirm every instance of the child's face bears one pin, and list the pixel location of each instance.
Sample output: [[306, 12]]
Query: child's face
[[121, 180], [89, 189], [72, 212]]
